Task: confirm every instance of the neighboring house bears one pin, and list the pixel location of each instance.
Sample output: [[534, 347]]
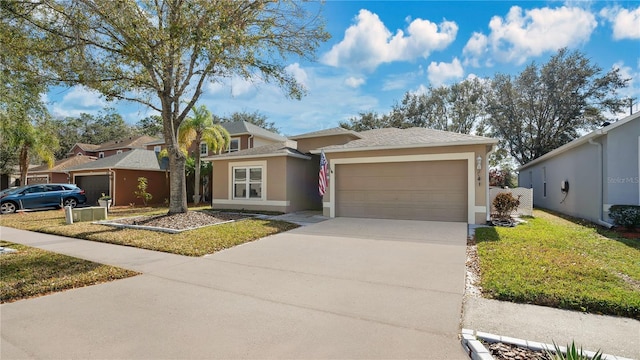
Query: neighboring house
[[58, 173], [586, 176], [414, 174], [112, 147], [117, 175], [244, 135]]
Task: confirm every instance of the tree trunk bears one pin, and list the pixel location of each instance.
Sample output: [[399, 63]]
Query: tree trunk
[[177, 180], [24, 164], [196, 190]]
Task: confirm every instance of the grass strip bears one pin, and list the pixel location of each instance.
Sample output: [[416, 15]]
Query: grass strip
[[563, 263], [30, 272], [196, 242]]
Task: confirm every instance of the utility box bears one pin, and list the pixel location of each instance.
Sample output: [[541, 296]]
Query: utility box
[[92, 213]]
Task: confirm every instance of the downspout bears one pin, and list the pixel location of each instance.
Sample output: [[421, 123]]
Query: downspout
[[250, 142], [600, 220], [486, 179], [112, 176]]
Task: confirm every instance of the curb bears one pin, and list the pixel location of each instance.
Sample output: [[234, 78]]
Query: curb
[[477, 351]]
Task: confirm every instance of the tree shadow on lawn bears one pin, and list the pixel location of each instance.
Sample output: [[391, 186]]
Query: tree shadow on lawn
[[601, 230]]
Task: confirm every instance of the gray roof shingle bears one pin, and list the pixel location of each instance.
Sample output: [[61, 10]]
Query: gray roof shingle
[[280, 148], [393, 137], [136, 159], [327, 132], [243, 127]]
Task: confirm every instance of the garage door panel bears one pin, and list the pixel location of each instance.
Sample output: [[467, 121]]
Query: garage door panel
[[425, 190]]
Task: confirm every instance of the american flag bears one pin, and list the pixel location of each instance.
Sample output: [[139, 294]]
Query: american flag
[[322, 181]]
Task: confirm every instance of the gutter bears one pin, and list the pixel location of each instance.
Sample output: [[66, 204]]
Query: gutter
[[600, 220], [486, 179]]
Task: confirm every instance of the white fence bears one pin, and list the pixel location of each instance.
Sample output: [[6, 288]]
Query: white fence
[[526, 199]]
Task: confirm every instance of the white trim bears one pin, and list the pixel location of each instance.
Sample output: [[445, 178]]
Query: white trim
[[407, 146], [239, 144], [251, 202], [101, 155], [119, 151], [469, 156], [38, 176], [157, 148], [206, 147], [260, 164], [242, 157]]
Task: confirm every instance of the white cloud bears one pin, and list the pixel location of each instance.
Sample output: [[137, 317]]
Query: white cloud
[[298, 73], [633, 86], [626, 23], [520, 36], [440, 73], [327, 102], [368, 43], [76, 100], [354, 82]]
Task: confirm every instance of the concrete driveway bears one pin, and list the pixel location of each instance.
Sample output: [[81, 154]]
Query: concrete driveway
[[343, 288]]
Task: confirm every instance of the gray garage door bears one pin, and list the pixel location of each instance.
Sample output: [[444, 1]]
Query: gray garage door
[[94, 186], [426, 190]]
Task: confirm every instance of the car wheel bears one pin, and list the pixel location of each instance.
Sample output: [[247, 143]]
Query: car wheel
[[70, 202], [8, 208]]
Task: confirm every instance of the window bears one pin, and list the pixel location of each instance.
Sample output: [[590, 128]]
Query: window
[[54, 188], [204, 149], [79, 154], [234, 145], [157, 148], [100, 155], [247, 182], [119, 152]]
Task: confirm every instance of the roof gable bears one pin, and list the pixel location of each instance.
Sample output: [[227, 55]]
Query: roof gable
[[327, 132], [244, 127], [583, 139]]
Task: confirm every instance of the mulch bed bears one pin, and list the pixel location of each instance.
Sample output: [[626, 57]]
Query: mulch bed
[[183, 221]]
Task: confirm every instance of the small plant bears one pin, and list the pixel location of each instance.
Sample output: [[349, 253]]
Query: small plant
[[104, 197], [625, 215], [572, 353], [142, 193], [505, 204]]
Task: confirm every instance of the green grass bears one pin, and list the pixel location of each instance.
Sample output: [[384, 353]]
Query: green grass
[[31, 272], [197, 242], [556, 262]]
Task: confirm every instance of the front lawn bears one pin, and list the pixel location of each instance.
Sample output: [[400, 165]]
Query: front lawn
[[197, 242], [31, 272], [560, 263]]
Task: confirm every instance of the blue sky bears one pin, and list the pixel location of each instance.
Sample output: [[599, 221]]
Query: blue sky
[[380, 50]]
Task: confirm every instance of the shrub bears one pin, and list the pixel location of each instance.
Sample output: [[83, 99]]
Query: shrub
[[142, 190], [572, 353], [504, 204], [625, 215]]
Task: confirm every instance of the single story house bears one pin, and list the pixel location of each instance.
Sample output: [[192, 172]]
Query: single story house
[[586, 176], [413, 174], [117, 175], [43, 174]]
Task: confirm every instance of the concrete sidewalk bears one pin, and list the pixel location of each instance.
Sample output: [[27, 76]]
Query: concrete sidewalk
[[612, 335]]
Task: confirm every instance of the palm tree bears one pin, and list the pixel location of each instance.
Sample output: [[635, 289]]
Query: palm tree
[[199, 129]]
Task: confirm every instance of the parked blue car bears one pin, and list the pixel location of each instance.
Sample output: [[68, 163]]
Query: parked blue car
[[40, 196]]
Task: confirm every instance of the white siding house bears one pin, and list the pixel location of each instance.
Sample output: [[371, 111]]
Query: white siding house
[[601, 169]]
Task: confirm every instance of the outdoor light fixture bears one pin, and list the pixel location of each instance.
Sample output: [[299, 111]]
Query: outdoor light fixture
[[478, 168]]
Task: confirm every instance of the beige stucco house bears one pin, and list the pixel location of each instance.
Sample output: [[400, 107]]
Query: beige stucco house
[[413, 174]]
